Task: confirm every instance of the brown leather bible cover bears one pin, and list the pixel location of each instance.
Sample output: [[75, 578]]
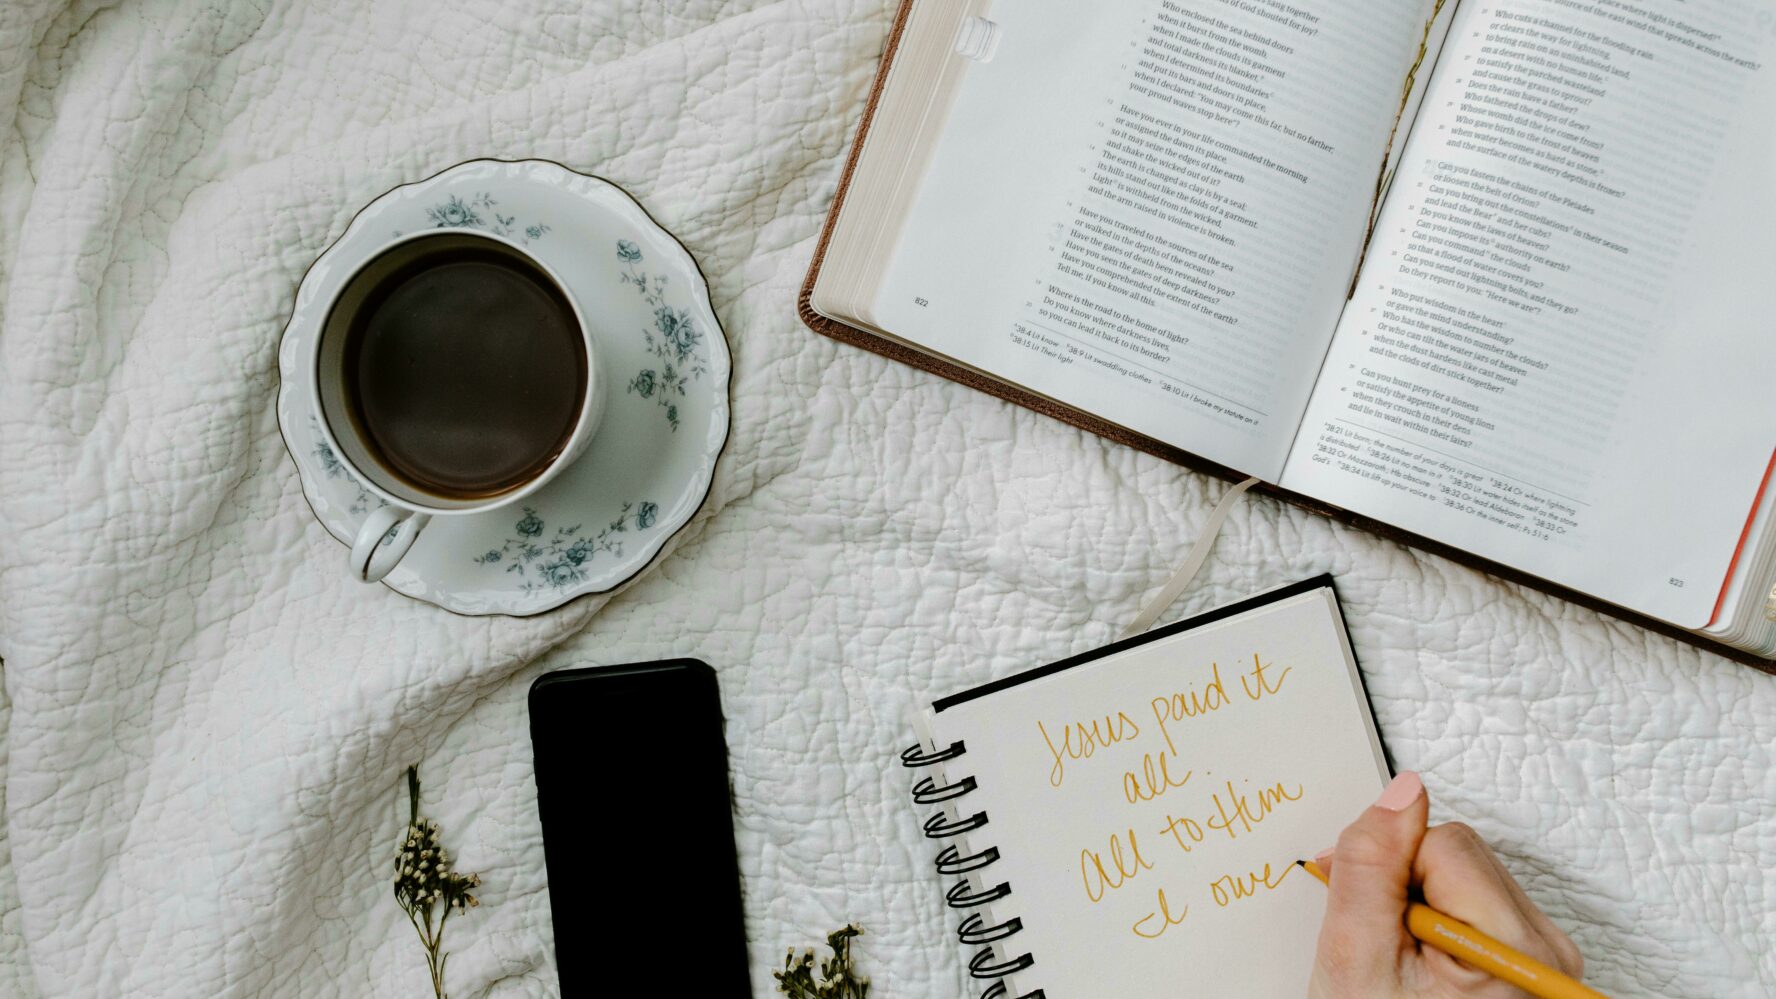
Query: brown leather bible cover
[[1122, 435]]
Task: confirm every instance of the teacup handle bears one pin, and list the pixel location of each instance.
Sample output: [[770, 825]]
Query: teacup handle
[[370, 558]]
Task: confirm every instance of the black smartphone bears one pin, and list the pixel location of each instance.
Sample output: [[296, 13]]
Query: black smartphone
[[638, 830]]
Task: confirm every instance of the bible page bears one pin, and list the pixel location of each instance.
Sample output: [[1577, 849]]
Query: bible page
[[1150, 210], [1559, 355]]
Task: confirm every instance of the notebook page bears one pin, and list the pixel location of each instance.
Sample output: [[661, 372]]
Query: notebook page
[[1150, 210], [1560, 353], [1149, 806]]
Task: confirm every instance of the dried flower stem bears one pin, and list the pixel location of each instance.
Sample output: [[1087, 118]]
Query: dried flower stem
[[423, 879], [839, 979]]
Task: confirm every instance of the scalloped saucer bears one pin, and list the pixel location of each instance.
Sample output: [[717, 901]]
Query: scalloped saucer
[[648, 469]]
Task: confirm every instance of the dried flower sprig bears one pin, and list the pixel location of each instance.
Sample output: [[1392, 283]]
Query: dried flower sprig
[[839, 978], [424, 881]]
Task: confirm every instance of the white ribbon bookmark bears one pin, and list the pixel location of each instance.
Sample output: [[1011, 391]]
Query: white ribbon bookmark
[[1193, 563]]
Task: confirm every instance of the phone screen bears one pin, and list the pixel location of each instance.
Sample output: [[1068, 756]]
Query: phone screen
[[632, 790]]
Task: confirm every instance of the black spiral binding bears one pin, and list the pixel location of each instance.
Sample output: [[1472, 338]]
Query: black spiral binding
[[952, 862]]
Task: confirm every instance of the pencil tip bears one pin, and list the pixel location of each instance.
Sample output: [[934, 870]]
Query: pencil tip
[[1301, 864]]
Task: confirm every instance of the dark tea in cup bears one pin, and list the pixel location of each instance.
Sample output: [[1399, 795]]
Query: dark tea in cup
[[453, 374]]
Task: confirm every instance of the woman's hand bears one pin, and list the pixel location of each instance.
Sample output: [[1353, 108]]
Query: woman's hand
[[1365, 951]]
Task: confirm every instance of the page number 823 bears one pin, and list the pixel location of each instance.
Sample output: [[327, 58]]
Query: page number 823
[[1674, 581]]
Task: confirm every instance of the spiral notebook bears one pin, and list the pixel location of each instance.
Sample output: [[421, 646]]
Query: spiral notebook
[[1125, 822]]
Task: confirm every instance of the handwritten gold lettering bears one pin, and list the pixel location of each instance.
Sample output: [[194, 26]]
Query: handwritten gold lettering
[[1055, 772], [1079, 740], [1264, 686], [1180, 828], [1178, 706], [1230, 888], [1155, 779], [1164, 915], [1236, 813], [1098, 880]]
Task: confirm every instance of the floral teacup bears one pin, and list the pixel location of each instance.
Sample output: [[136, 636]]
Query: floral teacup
[[388, 533]]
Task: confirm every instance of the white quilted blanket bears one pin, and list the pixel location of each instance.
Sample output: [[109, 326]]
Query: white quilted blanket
[[206, 720]]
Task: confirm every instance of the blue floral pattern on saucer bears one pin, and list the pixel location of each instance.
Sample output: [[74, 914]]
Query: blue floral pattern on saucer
[[674, 339], [660, 350], [473, 213], [563, 559]]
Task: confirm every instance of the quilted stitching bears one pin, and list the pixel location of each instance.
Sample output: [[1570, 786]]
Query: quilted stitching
[[207, 719]]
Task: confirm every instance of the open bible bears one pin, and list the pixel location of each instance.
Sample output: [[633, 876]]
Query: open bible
[[1497, 274]]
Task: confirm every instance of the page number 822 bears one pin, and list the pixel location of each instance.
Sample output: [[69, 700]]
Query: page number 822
[[921, 302]]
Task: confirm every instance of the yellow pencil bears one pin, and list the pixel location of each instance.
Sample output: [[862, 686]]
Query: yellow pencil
[[1459, 940]]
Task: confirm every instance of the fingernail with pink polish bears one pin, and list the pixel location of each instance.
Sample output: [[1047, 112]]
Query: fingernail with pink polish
[[1401, 791], [1322, 857]]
